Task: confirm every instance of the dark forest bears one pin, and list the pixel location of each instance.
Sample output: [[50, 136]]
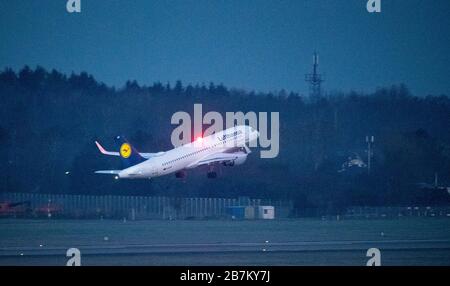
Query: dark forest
[[49, 122]]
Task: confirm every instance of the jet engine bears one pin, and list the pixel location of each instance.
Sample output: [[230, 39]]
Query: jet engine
[[241, 157]]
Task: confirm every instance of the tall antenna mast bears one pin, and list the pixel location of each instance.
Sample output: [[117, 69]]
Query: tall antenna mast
[[314, 79]]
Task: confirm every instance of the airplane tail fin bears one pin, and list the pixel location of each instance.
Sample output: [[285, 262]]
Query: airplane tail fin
[[130, 156]]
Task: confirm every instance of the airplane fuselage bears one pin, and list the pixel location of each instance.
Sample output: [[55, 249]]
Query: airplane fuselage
[[194, 154]]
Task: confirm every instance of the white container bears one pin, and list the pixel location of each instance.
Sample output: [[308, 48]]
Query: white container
[[266, 212]]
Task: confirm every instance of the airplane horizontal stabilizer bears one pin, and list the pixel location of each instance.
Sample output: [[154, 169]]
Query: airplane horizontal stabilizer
[[108, 172]]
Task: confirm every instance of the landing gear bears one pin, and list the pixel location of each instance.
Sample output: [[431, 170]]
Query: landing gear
[[212, 175], [180, 174], [229, 163]]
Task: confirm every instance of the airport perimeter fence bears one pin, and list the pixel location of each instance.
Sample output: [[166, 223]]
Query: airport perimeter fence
[[132, 207], [391, 212], [371, 212]]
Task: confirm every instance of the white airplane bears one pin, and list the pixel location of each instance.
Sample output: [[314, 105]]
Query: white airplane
[[228, 147]]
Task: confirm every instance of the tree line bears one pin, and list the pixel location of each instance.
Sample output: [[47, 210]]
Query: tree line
[[49, 122]]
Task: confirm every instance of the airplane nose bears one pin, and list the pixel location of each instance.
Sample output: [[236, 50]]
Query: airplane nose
[[254, 135]]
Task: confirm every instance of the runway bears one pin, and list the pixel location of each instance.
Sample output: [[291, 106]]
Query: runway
[[416, 242], [295, 246]]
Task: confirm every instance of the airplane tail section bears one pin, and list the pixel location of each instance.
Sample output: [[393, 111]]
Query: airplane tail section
[[130, 156]]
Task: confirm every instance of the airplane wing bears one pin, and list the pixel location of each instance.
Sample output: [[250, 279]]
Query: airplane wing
[[150, 155], [220, 157], [110, 153]]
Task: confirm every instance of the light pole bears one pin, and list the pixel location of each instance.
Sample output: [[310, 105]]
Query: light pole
[[369, 140]]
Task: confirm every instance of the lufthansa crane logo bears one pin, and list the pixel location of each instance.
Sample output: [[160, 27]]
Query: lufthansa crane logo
[[125, 150]]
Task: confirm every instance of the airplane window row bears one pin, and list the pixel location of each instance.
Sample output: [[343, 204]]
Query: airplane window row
[[194, 153], [187, 155]]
